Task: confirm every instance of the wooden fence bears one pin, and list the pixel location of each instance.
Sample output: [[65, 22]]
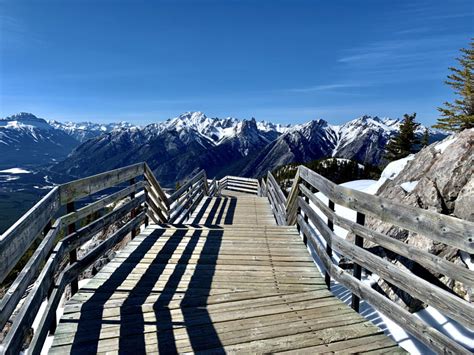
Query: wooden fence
[[299, 207], [236, 183], [63, 228]]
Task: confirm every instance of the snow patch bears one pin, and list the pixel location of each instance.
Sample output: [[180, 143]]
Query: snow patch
[[15, 171], [441, 147], [468, 259], [409, 186], [392, 170]]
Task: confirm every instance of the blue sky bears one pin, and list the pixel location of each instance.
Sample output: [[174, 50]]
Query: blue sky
[[284, 61]]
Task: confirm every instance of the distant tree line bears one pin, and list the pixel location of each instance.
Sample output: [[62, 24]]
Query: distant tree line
[[336, 170]]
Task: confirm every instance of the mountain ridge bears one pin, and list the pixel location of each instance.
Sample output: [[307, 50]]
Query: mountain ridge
[[230, 145]]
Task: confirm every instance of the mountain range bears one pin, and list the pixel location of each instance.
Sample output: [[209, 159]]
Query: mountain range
[[27, 140], [176, 147]]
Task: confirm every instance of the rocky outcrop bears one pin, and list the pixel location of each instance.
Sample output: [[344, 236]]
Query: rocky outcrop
[[438, 178]]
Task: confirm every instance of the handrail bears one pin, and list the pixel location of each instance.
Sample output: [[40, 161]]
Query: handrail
[[277, 199], [442, 228], [147, 200], [236, 183], [299, 209]]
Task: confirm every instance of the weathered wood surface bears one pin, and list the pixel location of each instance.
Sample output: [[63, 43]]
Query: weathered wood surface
[[19, 237], [430, 261], [452, 305], [428, 335], [442, 228], [235, 282], [78, 189]]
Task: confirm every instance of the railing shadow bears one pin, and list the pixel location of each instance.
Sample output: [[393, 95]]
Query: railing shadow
[[165, 309], [221, 212]]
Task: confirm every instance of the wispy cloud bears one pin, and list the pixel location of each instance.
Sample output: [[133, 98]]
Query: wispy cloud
[[329, 87], [406, 58], [15, 33]]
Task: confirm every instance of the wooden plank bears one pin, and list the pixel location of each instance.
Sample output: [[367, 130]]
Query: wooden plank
[[72, 272], [98, 205], [24, 319], [84, 234], [183, 189], [19, 237], [156, 185], [442, 228], [280, 196], [291, 202], [450, 304], [355, 345], [78, 189], [428, 260], [15, 292], [425, 333]]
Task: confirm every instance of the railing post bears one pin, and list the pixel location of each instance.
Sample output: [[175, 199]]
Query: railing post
[[306, 219], [327, 277], [133, 212], [357, 270], [70, 207], [53, 324]]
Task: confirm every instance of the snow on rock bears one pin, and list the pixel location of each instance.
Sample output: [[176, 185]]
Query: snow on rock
[[392, 170], [409, 186], [468, 259], [441, 147]]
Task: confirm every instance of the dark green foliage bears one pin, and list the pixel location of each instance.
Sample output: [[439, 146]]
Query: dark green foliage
[[336, 170], [459, 114], [425, 140], [405, 142]]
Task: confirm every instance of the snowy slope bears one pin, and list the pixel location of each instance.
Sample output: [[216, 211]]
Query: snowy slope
[[27, 139], [83, 131]]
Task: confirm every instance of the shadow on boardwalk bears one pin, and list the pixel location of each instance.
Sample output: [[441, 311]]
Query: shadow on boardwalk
[[135, 329]]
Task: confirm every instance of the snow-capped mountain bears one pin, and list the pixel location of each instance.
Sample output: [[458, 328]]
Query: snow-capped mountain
[[362, 139], [177, 146], [216, 129], [28, 140], [82, 131], [174, 147]]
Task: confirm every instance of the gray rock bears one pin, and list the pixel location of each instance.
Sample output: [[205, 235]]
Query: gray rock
[[445, 185]]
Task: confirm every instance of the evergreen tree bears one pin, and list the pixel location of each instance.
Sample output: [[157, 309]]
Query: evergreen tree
[[405, 141], [426, 138], [459, 114]]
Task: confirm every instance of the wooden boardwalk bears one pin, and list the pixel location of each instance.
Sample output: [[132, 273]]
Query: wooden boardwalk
[[229, 281]]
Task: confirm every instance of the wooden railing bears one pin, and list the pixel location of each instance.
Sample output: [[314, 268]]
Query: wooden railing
[[64, 228], [236, 183], [300, 207], [277, 199]]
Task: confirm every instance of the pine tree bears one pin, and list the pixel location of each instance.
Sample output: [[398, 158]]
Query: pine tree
[[459, 114], [405, 141], [426, 138]]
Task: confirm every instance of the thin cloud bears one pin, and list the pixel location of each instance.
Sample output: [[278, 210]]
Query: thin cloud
[[328, 87]]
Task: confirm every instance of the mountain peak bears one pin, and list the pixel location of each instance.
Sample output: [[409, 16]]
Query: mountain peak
[[24, 117]]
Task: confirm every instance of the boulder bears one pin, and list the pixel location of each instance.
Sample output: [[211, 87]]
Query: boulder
[[438, 178]]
